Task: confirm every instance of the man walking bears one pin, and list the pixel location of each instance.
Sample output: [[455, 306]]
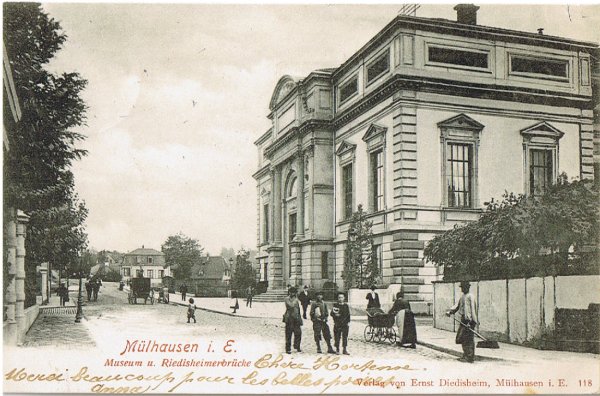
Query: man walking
[[88, 289], [183, 291], [341, 323], [96, 288], [304, 298], [292, 320], [249, 293], [319, 313], [467, 309]]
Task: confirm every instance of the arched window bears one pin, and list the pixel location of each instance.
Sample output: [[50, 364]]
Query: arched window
[[292, 190]]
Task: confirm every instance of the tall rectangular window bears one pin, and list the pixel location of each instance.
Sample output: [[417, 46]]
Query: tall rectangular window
[[266, 223], [377, 186], [540, 171], [139, 274], [324, 265], [161, 274], [347, 191], [149, 260], [459, 175], [292, 225], [126, 271], [378, 257], [150, 274]]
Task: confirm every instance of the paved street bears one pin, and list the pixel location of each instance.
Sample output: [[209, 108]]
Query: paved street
[[112, 314], [111, 323]]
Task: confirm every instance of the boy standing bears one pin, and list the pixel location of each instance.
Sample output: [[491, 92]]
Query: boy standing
[[293, 320], [191, 313], [319, 313], [341, 323]]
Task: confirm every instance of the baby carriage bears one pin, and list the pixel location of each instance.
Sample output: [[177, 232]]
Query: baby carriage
[[380, 327]]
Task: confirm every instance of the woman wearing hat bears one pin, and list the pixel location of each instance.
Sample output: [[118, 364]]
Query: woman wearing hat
[[405, 320], [467, 309]]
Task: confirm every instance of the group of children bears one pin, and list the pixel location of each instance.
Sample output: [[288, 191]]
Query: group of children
[[319, 314]]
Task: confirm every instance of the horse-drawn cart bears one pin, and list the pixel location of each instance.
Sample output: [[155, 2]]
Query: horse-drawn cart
[[140, 288]]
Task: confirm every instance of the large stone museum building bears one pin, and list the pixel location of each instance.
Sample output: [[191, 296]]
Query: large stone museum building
[[422, 125]]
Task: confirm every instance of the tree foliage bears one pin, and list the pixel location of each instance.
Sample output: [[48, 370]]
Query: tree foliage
[[43, 145], [360, 267], [549, 231], [243, 273], [181, 253]]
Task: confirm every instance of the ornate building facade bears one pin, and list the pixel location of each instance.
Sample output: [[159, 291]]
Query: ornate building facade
[[422, 125]]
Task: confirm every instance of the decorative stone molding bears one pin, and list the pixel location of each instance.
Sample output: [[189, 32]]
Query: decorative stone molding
[[541, 133], [375, 137], [345, 152]]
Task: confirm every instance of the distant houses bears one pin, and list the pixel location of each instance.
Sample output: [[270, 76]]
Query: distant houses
[[144, 262], [210, 277]]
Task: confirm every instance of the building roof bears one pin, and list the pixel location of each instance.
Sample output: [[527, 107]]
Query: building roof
[[144, 252], [212, 267], [447, 26]]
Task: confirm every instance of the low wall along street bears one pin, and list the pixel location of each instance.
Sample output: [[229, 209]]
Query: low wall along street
[[553, 312]]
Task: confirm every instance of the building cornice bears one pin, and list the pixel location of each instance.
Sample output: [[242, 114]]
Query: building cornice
[[295, 133], [290, 135], [264, 137], [261, 172], [455, 88]]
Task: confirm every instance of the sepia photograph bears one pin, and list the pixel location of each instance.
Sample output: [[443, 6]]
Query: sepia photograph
[[301, 198]]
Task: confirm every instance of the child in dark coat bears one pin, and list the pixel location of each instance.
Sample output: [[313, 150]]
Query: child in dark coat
[[191, 313]]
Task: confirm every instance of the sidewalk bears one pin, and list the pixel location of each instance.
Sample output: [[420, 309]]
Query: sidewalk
[[428, 336]]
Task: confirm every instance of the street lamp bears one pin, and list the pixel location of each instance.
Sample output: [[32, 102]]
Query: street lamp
[[79, 313]]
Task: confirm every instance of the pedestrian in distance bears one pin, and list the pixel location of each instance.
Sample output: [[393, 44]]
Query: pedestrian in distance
[[88, 289], [249, 294], [165, 292], [304, 298], [467, 309], [62, 292], [341, 323], [405, 321], [319, 314], [292, 320], [183, 290], [191, 312], [96, 288], [373, 299]]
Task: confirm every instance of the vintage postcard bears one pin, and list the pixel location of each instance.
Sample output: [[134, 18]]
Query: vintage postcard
[[320, 199]]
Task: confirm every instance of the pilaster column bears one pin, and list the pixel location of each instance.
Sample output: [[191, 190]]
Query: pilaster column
[[300, 198], [43, 269], [22, 220], [276, 194]]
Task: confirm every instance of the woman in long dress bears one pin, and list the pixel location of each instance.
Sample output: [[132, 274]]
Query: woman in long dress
[[405, 321]]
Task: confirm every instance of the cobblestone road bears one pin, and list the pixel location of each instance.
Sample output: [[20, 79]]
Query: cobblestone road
[[112, 315]]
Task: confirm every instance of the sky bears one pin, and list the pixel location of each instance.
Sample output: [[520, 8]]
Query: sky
[[177, 94]]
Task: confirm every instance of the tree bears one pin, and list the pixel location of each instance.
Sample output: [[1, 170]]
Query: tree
[[525, 236], [181, 253], [243, 274], [360, 266], [37, 174]]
